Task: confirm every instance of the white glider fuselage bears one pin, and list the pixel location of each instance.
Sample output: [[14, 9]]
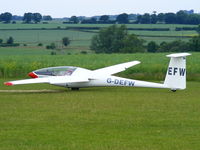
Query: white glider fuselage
[[76, 77]]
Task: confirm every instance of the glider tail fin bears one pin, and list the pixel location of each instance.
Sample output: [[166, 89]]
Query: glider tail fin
[[176, 73]]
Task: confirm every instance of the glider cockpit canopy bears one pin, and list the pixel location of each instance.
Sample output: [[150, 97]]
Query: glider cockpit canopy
[[55, 71]]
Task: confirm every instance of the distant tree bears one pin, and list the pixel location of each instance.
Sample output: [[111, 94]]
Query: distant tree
[[47, 18], [6, 17], [161, 17], [65, 41], [153, 19], [122, 18], [193, 19], [10, 40], [139, 17], [37, 17], [152, 47], [27, 17], [174, 46], [145, 19], [51, 46], [1, 41], [195, 43], [104, 19], [74, 19], [109, 40], [170, 18], [89, 21], [181, 17], [198, 29], [132, 44]]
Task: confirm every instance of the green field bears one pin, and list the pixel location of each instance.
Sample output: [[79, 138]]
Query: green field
[[152, 67], [99, 118], [46, 117], [81, 39]]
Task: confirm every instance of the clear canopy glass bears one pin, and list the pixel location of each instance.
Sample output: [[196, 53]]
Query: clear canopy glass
[[56, 71]]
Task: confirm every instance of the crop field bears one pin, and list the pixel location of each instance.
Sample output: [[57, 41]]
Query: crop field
[[48, 117], [152, 67], [32, 34]]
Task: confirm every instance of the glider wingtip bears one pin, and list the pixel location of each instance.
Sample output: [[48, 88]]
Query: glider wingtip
[[8, 83]]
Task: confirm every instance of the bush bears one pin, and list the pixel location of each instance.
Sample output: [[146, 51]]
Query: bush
[[116, 40], [152, 47], [194, 44], [40, 44], [9, 45], [65, 41], [1, 41], [175, 46], [83, 52], [10, 40], [53, 53], [51, 46]]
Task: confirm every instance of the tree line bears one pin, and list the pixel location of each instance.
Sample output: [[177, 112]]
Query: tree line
[[116, 39], [180, 17], [7, 17]]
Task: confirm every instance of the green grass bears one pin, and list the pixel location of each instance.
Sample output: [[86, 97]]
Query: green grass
[[99, 118], [153, 66], [81, 39]]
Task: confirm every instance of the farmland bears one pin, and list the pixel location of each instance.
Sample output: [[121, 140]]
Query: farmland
[[32, 34], [153, 66], [99, 118], [42, 116]]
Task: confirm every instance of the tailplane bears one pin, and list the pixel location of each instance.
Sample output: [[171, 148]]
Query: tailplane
[[176, 73]]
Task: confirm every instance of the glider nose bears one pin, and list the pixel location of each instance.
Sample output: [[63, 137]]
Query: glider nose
[[32, 75], [8, 83]]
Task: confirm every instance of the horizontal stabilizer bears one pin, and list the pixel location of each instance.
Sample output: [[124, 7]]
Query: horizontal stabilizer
[[176, 55]]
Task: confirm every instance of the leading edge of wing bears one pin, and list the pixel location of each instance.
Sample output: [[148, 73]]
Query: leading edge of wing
[[116, 68], [51, 80], [27, 81]]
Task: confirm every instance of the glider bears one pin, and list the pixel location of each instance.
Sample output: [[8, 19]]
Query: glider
[[76, 77]]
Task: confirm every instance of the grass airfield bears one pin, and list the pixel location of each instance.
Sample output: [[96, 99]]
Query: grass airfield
[[99, 118]]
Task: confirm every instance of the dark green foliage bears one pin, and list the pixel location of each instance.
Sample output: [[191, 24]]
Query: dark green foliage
[[65, 41], [198, 29], [132, 44], [175, 46], [51, 46], [47, 18], [40, 44], [27, 17], [116, 40], [152, 47], [109, 40], [122, 18], [195, 43], [1, 41], [6, 17], [74, 19], [161, 17], [37, 17], [53, 53], [83, 52], [104, 19], [10, 40]]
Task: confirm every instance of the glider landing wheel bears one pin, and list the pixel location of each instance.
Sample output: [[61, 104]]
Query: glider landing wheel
[[173, 90], [74, 89]]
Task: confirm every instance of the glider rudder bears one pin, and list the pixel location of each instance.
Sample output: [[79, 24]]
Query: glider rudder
[[176, 72]]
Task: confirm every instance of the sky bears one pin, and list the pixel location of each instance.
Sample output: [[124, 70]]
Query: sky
[[68, 8]]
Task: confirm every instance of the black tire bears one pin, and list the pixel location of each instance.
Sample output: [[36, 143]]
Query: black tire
[[74, 89]]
